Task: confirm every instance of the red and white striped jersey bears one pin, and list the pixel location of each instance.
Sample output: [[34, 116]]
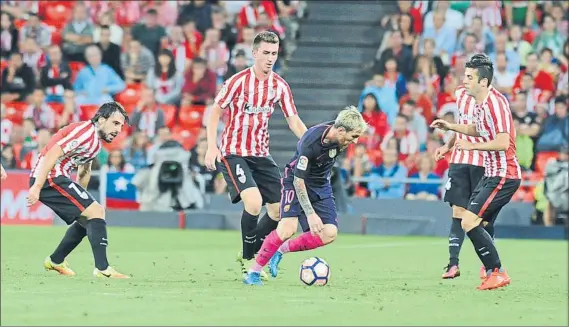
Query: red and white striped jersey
[[494, 117], [250, 103], [80, 143], [466, 112]]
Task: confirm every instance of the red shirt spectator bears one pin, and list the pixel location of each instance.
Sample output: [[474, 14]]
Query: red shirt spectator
[[375, 118], [542, 79], [200, 84], [421, 99]]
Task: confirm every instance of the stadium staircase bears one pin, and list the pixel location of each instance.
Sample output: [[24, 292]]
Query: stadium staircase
[[325, 72]]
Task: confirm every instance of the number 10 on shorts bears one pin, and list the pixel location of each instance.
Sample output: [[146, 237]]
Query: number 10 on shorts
[[288, 196]]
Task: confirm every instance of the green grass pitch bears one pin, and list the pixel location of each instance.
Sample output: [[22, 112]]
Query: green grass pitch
[[183, 277]]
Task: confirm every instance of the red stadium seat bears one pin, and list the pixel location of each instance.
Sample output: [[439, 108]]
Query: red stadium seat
[[3, 64], [542, 159], [19, 23], [15, 111], [88, 111], [57, 13], [131, 95], [169, 113], [187, 137], [56, 37], [375, 156], [191, 117], [75, 67], [57, 107]]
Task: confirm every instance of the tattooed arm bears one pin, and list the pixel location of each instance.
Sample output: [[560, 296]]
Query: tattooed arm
[[302, 194]]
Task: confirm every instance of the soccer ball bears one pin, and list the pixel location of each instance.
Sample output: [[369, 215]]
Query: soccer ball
[[314, 271]]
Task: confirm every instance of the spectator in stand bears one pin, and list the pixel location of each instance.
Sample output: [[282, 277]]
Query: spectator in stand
[[358, 165], [385, 94], [165, 80], [96, 83], [409, 37], [8, 159], [407, 142], [519, 45], [115, 31], [403, 56], [198, 10], [30, 156], [549, 37], [417, 123], [446, 100], [77, 34], [512, 57], [386, 179], [423, 101], [556, 189], [70, 112], [454, 19], [521, 13], [55, 77], [199, 84], [424, 191], [37, 30], [216, 53], [163, 137], [503, 78], [136, 153], [245, 46], [111, 51], [6, 125], [33, 56], [548, 63], [262, 15], [117, 163], [9, 38], [395, 78], [489, 11], [483, 34], [150, 34], [426, 74], [148, 116], [239, 63], [375, 117], [466, 50], [40, 111], [29, 135], [220, 23], [18, 80], [542, 80], [167, 12], [560, 16], [527, 129], [136, 62], [428, 51], [444, 36], [555, 129]]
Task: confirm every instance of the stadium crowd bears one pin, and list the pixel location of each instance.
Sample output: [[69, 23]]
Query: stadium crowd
[[165, 60]]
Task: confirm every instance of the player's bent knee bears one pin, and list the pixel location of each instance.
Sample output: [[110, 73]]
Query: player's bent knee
[[252, 200], [458, 212], [273, 209], [329, 233], [95, 210], [287, 228], [469, 221]]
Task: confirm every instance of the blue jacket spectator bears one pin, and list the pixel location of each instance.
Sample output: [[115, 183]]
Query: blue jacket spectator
[[386, 97], [379, 185], [96, 83]]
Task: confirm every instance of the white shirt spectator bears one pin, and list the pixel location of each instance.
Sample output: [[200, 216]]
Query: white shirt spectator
[[453, 19]]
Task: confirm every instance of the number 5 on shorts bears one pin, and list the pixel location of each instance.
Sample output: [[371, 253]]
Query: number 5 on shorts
[[82, 194]]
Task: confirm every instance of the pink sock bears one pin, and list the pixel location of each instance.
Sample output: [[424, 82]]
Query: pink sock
[[305, 241], [269, 247]]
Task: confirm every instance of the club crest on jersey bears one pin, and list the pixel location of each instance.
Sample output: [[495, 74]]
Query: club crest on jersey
[[286, 208], [71, 145], [332, 153]]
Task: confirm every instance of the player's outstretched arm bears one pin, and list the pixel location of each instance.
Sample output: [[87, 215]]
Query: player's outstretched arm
[[296, 125], [50, 159], [500, 143], [84, 174], [469, 129]]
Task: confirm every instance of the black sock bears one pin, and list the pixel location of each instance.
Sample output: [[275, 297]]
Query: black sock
[[265, 227], [249, 234], [455, 240], [73, 236], [490, 229], [97, 234], [484, 247]]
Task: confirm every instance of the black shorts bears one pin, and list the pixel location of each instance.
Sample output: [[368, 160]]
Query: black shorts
[[491, 194], [65, 197], [462, 181], [241, 173]]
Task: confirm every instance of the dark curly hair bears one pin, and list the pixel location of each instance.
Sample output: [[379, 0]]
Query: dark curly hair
[[483, 66]]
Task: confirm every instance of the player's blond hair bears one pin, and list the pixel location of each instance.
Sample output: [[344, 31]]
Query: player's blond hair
[[267, 37], [351, 120]]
